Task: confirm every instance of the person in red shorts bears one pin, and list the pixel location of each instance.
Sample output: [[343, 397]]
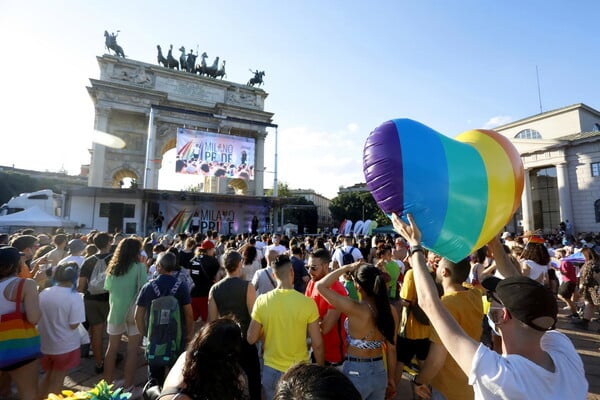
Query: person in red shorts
[[62, 311]]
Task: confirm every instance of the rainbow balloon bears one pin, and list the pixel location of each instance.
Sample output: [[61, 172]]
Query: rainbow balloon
[[461, 191]]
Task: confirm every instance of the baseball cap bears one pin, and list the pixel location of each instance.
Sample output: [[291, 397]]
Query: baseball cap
[[9, 256], [44, 239], [506, 235], [207, 245], [76, 245], [527, 300], [66, 272]]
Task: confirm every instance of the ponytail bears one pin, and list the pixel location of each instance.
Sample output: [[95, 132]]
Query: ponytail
[[372, 281]]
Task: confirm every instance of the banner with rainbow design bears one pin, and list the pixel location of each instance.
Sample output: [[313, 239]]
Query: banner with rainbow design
[[213, 154]]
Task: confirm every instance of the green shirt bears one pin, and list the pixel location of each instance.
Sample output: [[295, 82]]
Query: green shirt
[[123, 291], [393, 270]]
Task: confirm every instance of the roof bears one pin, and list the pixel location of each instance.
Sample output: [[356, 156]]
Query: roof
[[567, 141], [578, 136], [546, 114]]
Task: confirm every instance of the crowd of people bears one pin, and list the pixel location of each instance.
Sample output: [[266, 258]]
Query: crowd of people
[[273, 317]]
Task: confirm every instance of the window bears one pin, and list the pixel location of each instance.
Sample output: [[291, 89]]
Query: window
[[597, 210], [129, 211], [596, 127], [596, 169], [38, 197], [528, 134], [104, 210]]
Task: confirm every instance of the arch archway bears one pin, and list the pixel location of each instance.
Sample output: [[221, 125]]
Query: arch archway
[[125, 178]]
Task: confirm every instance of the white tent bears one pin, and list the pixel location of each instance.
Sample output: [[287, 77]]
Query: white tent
[[34, 217]]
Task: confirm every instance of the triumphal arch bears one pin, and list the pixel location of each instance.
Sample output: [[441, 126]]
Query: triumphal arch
[[147, 106]]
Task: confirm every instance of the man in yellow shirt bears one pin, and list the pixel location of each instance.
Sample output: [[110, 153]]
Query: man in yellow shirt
[[281, 318], [413, 339], [440, 370]]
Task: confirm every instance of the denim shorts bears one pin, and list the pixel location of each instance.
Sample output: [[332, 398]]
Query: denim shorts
[[369, 378], [270, 377]]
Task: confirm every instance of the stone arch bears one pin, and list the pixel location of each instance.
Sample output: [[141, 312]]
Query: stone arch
[[168, 145], [123, 173]]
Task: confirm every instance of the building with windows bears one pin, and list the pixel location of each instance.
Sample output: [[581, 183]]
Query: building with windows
[[560, 150], [318, 200]]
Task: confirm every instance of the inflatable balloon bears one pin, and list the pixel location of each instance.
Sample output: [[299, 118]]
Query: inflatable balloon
[[460, 191], [348, 227], [342, 225], [358, 228], [372, 225]]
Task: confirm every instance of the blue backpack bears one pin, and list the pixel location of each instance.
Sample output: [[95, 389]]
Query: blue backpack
[[347, 258]]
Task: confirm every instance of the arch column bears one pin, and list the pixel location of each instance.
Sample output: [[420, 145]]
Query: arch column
[[96, 178], [564, 193], [526, 204], [151, 172], [259, 163]]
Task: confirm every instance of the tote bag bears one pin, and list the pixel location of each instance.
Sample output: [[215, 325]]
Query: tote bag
[[19, 338]]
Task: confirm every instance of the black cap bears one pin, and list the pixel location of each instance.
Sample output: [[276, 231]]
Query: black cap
[[9, 256], [527, 300]]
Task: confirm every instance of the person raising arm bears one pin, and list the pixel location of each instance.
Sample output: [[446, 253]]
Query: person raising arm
[[536, 362]]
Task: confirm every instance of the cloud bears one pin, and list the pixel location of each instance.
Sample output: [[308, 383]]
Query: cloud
[[497, 121], [352, 127], [310, 158]]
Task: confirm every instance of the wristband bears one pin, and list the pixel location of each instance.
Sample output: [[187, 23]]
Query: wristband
[[415, 249], [414, 380]]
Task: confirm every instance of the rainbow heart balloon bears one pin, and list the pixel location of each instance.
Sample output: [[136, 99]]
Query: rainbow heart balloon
[[460, 191]]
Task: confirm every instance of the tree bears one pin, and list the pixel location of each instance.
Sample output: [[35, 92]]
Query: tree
[[303, 213], [282, 190], [356, 206]]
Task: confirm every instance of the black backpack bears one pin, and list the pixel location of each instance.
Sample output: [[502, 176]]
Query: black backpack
[[347, 258]]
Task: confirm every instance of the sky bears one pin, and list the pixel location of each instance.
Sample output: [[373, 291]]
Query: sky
[[335, 70]]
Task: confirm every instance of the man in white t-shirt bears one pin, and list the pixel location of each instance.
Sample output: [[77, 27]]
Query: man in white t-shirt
[[346, 248], [276, 246], [76, 248], [536, 361], [260, 247]]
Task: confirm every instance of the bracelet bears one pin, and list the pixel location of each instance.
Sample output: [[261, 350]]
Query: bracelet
[[415, 249]]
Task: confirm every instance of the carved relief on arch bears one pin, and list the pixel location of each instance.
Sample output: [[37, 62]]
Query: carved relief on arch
[[163, 130], [121, 174]]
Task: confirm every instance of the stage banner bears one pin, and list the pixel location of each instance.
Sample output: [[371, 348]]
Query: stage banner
[[213, 154], [224, 217]]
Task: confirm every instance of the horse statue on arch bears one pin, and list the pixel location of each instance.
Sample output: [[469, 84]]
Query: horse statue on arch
[[213, 69], [221, 72], [171, 61], [182, 59], [111, 44], [257, 79], [201, 69], [165, 61]]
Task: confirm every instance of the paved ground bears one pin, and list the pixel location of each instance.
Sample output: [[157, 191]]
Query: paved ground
[[586, 342]]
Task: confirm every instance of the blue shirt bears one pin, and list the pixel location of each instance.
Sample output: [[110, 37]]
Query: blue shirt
[[165, 283]]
